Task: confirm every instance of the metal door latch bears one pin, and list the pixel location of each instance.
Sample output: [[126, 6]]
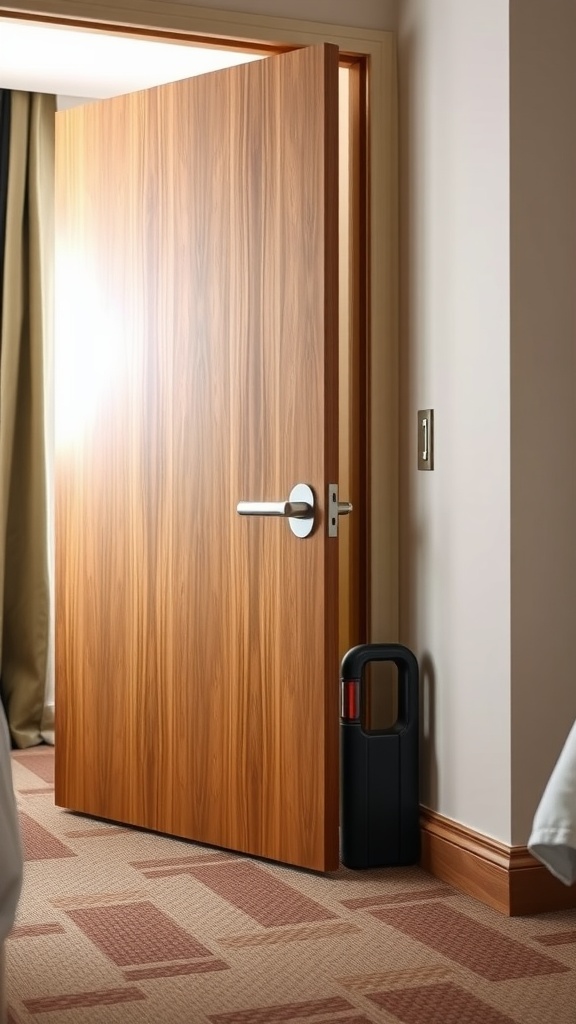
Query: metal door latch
[[335, 509]]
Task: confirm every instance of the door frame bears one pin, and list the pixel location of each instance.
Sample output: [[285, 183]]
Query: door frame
[[155, 18]]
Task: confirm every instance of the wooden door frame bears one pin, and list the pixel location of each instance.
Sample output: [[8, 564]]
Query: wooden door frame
[[157, 19]]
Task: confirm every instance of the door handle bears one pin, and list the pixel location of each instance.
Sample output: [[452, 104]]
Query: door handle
[[298, 509], [285, 509]]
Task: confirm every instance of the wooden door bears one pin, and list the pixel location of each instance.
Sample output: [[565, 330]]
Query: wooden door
[[197, 350]]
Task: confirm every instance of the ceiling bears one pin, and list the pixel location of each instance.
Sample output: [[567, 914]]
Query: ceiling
[[71, 62]]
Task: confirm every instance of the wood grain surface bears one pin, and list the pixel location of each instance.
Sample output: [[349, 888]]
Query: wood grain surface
[[197, 361]]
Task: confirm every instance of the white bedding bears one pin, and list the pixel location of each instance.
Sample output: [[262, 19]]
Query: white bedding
[[553, 836]]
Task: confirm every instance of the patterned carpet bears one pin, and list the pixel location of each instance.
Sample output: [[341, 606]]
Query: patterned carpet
[[119, 925]]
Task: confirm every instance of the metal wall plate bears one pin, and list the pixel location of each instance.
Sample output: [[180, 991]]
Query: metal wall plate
[[426, 439]]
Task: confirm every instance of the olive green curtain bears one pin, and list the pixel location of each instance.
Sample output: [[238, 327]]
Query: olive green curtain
[[26, 521]]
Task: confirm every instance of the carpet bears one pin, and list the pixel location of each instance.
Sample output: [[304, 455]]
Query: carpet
[[121, 925]]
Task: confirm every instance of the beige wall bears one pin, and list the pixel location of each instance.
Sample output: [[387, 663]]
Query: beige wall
[[488, 312], [455, 521], [543, 384]]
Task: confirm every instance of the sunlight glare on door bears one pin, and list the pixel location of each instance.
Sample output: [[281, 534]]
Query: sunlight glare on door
[[88, 360]]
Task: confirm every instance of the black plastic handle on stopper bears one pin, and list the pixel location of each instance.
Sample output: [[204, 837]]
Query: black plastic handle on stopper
[[379, 784]]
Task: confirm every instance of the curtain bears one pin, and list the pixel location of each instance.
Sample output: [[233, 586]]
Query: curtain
[[26, 315]]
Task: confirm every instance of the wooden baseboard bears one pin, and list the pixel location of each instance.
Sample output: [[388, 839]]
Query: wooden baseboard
[[506, 878]]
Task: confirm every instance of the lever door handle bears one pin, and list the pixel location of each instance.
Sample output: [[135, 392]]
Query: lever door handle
[[285, 509], [298, 509]]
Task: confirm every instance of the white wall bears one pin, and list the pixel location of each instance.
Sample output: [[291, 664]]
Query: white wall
[[455, 344], [543, 380]]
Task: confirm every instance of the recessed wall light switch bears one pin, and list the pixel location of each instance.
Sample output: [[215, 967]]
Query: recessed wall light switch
[[426, 439]]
